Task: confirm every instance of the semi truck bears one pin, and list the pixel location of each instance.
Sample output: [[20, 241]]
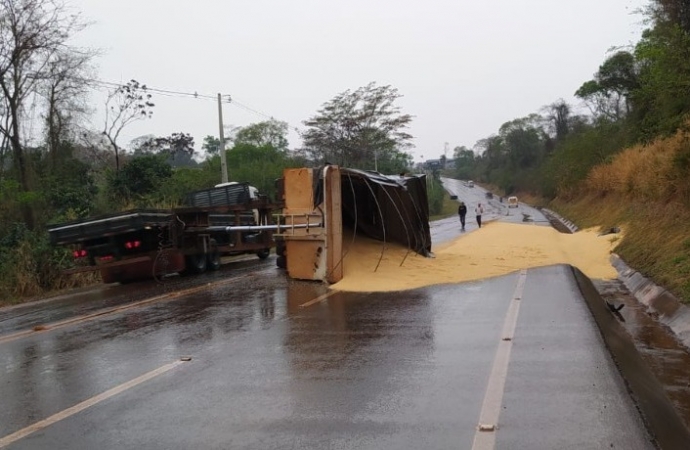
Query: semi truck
[[229, 219]]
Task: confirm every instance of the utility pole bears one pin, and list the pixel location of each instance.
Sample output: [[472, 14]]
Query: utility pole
[[223, 156]]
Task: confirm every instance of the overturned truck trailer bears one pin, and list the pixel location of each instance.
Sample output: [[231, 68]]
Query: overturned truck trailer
[[321, 202]]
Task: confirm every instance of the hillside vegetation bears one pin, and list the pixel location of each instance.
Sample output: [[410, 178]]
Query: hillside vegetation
[[646, 190], [626, 162]]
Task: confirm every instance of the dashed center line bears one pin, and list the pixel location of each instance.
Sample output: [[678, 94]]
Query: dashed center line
[[24, 432], [104, 312], [318, 299], [485, 436]]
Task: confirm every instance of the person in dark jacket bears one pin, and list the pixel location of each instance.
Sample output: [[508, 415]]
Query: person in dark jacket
[[462, 212]]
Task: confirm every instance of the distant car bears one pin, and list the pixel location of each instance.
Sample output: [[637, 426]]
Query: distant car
[[470, 183], [489, 194], [513, 202]]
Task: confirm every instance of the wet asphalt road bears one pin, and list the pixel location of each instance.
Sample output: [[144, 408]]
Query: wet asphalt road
[[494, 209], [274, 364], [402, 371]]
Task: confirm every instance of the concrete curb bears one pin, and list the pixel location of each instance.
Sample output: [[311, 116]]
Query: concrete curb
[[671, 311], [658, 413], [552, 215]]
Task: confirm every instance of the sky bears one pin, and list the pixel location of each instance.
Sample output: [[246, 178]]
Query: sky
[[463, 67]]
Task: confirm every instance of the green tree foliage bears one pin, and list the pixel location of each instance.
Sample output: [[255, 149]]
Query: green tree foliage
[[260, 166], [435, 193], [211, 145], [663, 98], [361, 129], [178, 148], [464, 163], [609, 93], [69, 190], [271, 133], [33, 34], [140, 177]]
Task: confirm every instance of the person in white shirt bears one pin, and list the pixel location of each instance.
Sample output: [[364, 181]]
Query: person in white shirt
[[479, 210]]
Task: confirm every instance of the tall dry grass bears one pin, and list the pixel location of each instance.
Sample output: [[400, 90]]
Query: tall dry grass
[[654, 172], [646, 190]]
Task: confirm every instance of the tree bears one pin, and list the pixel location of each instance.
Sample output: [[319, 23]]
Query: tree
[[609, 93], [558, 115], [174, 145], [260, 166], [141, 176], [673, 12], [464, 162], [64, 91], [662, 98], [32, 32], [211, 145], [356, 128], [271, 132], [125, 104], [178, 148]]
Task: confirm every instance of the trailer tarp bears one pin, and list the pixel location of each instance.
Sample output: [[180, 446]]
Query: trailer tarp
[[387, 208]]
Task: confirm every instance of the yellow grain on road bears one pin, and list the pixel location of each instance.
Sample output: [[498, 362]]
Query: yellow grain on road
[[496, 249]]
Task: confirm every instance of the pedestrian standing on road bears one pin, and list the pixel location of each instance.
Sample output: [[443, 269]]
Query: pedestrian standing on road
[[479, 210], [462, 212]]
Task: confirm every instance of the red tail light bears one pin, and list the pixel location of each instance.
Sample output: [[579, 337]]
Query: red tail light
[[79, 253], [132, 244]]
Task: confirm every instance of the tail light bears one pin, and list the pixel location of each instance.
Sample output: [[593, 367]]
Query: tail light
[[132, 244], [79, 253]]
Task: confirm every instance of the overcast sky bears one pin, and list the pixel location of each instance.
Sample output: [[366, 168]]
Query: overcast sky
[[464, 67]]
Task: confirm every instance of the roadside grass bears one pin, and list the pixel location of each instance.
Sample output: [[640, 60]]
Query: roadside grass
[[33, 269], [645, 190], [654, 172], [655, 240], [449, 208]]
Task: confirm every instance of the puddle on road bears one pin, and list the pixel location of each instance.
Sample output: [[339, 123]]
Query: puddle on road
[[496, 249], [667, 358]]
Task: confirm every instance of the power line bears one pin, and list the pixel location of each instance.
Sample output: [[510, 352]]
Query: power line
[[181, 94]]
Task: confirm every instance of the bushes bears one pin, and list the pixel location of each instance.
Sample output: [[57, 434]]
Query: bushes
[[435, 193], [29, 265]]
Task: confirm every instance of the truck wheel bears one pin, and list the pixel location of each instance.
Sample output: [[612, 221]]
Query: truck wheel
[[195, 263], [108, 276], [213, 257], [281, 262], [263, 254], [280, 247]]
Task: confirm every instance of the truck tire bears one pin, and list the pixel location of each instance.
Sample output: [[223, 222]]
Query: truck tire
[[263, 254], [281, 250], [195, 263], [213, 256]]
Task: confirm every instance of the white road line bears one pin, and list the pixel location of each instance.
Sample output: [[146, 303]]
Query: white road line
[[117, 309], [485, 436], [318, 299], [24, 432]]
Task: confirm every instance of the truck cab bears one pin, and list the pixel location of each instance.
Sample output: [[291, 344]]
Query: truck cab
[[253, 192]]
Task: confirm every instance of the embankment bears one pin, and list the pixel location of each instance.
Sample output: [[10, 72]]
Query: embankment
[[645, 190]]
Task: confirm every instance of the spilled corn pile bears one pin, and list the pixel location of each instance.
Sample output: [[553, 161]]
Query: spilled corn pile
[[496, 249]]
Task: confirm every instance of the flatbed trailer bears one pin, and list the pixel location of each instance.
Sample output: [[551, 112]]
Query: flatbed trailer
[[145, 243]]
